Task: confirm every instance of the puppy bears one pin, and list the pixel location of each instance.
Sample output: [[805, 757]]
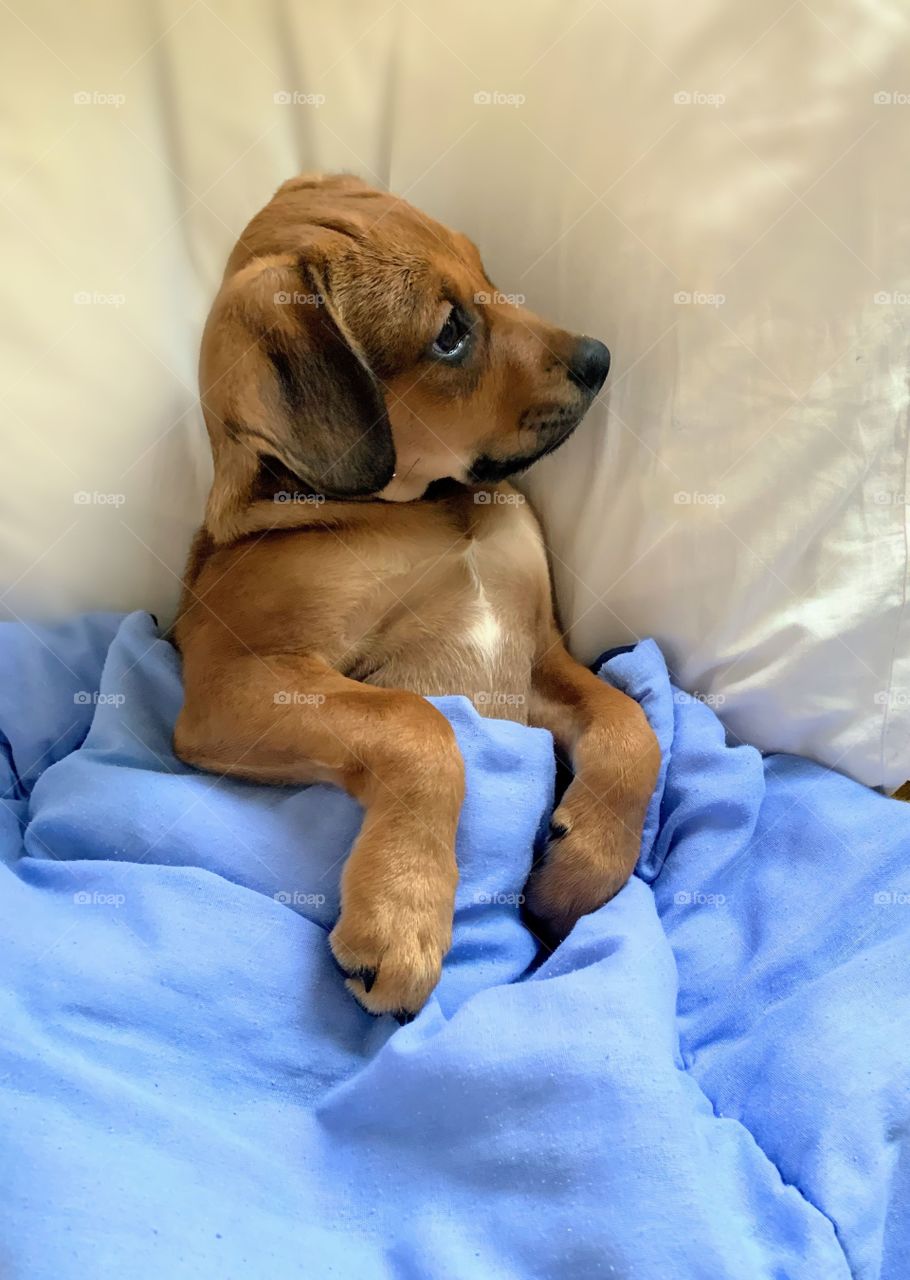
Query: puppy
[[367, 392]]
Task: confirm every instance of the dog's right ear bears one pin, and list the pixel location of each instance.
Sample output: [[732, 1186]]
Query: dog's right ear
[[282, 378]]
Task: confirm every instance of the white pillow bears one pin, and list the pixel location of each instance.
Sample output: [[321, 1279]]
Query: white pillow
[[715, 192]]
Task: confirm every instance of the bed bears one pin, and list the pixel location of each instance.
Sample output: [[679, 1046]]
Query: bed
[[710, 1077]]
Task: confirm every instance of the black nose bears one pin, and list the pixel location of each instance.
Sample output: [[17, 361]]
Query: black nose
[[589, 365]]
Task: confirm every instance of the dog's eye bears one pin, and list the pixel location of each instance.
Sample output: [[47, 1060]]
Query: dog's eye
[[453, 336]]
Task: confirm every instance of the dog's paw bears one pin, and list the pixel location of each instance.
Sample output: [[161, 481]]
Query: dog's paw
[[590, 854], [392, 952]]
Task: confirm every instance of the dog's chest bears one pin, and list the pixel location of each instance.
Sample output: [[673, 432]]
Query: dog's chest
[[465, 616]]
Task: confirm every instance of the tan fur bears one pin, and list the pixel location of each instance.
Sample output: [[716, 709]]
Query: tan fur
[[313, 627]]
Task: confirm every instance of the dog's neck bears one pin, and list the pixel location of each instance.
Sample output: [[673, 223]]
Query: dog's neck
[[277, 483], [277, 501]]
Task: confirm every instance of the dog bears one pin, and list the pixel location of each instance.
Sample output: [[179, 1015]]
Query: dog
[[367, 392]]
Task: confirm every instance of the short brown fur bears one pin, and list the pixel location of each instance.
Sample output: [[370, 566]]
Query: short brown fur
[[326, 597]]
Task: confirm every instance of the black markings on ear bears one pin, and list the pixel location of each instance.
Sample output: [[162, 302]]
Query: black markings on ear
[[328, 416], [289, 375]]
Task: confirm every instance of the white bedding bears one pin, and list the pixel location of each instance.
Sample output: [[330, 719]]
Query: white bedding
[[715, 192]]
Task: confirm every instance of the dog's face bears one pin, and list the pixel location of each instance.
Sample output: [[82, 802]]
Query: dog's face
[[359, 345]]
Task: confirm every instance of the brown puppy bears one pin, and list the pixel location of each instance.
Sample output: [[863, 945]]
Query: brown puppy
[[366, 392]]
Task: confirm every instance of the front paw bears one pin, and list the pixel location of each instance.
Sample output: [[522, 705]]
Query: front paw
[[591, 852], [391, 944]]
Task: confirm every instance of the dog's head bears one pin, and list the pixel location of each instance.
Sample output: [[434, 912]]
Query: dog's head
[[359, 345]]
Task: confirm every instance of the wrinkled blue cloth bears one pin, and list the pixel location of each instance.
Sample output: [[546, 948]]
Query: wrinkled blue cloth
[[708, 1079]]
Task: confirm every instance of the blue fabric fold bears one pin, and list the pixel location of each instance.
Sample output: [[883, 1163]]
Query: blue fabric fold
[[709, 1078]]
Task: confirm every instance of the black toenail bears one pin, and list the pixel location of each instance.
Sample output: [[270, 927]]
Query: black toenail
[[402, 1017], [367, 977], [558, 829]]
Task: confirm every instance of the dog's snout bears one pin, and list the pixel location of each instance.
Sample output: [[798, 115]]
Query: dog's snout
[[589, 365]]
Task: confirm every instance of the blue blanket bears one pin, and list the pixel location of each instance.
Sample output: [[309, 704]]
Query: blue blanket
[[708, 1079]]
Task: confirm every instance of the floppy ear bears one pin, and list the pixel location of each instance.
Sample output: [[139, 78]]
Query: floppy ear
[[281, 377]]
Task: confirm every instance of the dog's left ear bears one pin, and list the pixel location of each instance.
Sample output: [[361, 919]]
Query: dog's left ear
[[280, 375]]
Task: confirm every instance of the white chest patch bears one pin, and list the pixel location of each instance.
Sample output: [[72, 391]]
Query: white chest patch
[[486, 632]]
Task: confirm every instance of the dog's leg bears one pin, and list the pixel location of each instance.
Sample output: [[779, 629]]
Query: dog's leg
[[288, 720], [595, 833]]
